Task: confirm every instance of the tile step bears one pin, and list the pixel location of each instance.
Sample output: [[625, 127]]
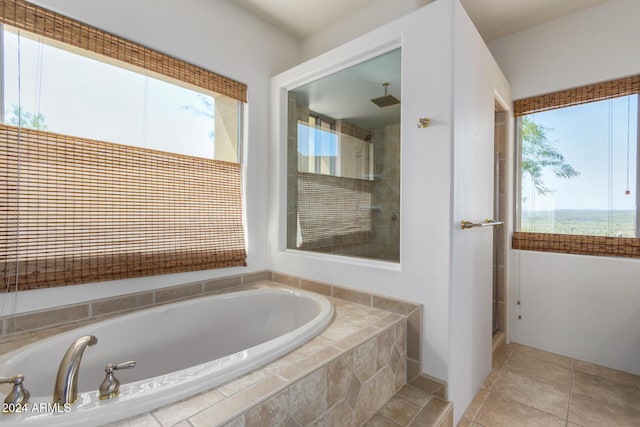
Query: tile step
[[420, 403]]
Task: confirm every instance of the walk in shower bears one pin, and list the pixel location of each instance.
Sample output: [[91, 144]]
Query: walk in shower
[[343, 181]]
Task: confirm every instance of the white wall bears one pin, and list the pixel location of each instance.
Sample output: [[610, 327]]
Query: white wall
[[446, 270], [221, 37], [374, 15], [477, 82], [581, 306], [425, 217], [589, 46]]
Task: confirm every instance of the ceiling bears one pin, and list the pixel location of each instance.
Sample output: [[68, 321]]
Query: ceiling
[[493, 18], [499, 18], [347, 94]]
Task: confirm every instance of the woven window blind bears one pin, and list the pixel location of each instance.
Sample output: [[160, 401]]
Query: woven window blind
[[43, 22], [331, 206], [576, 96], [628, 247], [75, 210], [79, 210], [567, 243]]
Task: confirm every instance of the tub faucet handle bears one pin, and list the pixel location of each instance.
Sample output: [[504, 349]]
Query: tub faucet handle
[[110, 387], [18, 395]]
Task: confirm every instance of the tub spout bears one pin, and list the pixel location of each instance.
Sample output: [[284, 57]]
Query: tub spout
[[66, 388]]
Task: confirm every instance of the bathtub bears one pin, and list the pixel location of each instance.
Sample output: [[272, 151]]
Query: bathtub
[[181, 349]]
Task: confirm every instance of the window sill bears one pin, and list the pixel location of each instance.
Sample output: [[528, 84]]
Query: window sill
[[628, 247], [345, 259]]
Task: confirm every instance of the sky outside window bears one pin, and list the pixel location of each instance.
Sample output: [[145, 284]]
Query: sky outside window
[[599, 140], [84, 97]]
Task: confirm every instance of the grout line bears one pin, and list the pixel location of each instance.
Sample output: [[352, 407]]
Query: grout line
[[443, 416], [420, 411], [387, 418], [153, 416], [481, 406], [573, 373], [536, 379], [500, 370]]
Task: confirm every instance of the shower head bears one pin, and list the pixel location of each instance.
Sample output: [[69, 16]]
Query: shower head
[[386, 100]]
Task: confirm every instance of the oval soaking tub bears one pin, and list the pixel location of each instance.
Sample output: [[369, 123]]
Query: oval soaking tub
[[180, 349]]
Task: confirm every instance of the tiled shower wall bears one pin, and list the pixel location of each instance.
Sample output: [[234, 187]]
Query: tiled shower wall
[[386, 155], [355, 163], [295, 113], [500, 151]]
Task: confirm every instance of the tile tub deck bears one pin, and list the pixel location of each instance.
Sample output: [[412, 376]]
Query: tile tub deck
[[339, 378]]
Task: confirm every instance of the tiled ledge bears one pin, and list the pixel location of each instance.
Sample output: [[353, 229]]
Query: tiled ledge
[[411, 310], [29, 327], [99, 309]]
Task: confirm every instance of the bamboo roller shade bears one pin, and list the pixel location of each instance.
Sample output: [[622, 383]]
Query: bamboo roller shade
[[333, 207], [49, 24], [79, 210], [576, 96], [580, 245]]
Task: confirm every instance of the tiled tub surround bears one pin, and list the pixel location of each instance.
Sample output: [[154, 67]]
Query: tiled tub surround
[[29, 327], [341, 377], [411, 311], [181, 349]]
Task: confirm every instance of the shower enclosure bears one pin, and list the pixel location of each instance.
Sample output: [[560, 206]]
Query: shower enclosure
[[343, 162]]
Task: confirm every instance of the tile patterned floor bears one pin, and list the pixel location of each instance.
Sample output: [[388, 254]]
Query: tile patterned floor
[[529, 387], [418, 404]]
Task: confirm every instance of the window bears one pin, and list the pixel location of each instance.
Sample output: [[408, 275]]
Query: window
[[63, 90], [117, 161], [578, 170], [317, 145], [343, 185]]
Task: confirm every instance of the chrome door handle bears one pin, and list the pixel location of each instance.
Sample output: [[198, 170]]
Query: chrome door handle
[[487, 223]]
